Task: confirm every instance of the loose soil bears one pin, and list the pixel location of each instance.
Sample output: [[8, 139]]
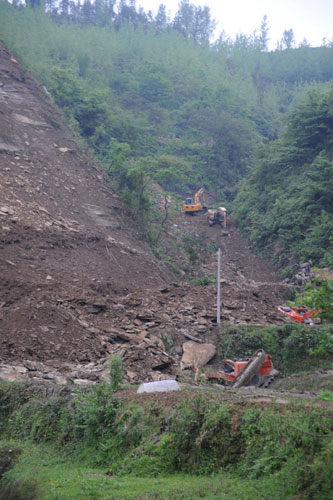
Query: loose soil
[[77, 283]]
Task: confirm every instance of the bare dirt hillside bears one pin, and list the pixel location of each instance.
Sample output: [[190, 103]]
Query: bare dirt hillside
[[77, 284]]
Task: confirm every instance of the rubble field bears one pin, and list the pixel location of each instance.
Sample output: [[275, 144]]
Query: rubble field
[[77, 283]]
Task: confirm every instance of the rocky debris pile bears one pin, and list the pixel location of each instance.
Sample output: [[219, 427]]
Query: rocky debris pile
[[181, 308], [48, 371], [148, 328], [145, 361]]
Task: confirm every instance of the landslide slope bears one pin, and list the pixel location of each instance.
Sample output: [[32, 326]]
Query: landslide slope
[[64, 236], [76, 282]]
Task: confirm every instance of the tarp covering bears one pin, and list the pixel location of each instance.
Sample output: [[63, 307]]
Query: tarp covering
[[160, 386]]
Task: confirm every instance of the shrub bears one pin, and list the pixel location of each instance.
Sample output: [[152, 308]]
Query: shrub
[[293, 346], [116, 372]]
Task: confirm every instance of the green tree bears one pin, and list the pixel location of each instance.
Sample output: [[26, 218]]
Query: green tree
[[194, 22], [116, 372], [161, 19], [33, 3], [319, 295], [311, 125], [105, 12], [288, 39], [65, 88], [263, 34], [90, 111], [88, 12]]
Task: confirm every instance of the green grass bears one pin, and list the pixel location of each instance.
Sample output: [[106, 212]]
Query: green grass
[[90, 445], [57, 478], [312, 380]]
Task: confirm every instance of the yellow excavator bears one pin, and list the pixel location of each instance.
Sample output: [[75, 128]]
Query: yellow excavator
[[196, 205]]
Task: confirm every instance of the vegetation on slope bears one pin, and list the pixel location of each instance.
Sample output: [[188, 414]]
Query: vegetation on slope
[[294, 347], [286, 202], [282, 449], [155, 100]]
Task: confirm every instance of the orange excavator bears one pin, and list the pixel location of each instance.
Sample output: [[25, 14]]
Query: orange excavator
[[196, 205], [300, 313], [257, 371]]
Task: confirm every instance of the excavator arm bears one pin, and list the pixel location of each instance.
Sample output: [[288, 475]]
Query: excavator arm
[[199, 196]]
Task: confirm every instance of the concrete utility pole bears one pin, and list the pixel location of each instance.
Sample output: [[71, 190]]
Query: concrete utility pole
[[218, 317]]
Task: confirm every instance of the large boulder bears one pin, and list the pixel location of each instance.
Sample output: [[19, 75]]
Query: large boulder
[[196, 355]]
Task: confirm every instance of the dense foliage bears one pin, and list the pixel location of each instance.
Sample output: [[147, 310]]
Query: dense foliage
[[156, 100], [286, 202], [318, 295]]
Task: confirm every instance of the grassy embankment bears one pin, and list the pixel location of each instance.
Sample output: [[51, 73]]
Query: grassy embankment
[[205, 442]]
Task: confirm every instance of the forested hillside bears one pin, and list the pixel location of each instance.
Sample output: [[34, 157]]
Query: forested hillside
[[286, 203], [155, 99]]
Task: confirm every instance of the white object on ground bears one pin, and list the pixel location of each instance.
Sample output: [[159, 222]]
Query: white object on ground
[[159, 386]]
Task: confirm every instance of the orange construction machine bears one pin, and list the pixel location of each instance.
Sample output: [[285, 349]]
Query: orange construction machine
[[196, 205], [299, 313], [257, 371]]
